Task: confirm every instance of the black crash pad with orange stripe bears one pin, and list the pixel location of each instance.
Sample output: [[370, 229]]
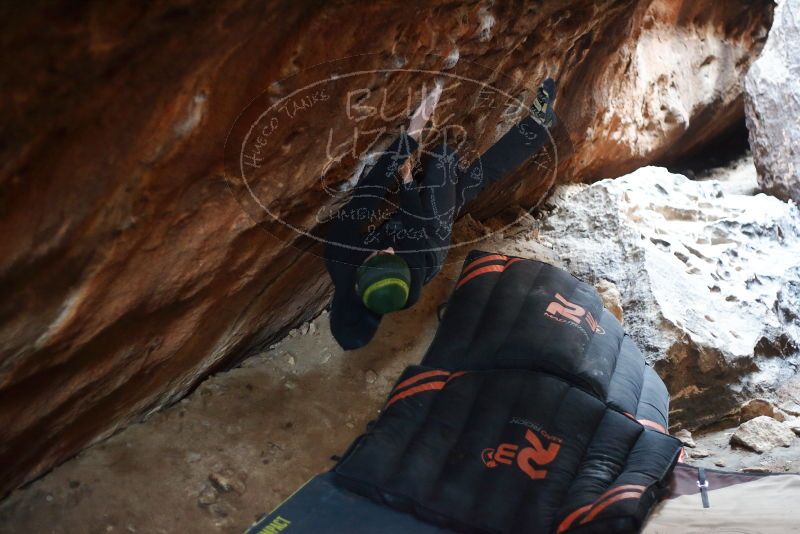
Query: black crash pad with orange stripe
[[508, 451], [527, 314], [532, 411]]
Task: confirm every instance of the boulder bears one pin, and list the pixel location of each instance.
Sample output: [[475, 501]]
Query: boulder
[[756, 408], [708, 280], [762, 434], [699, 453], [128, 270], [772, 104]]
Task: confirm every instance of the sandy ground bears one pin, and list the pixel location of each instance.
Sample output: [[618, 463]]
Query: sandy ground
[[247, 438]]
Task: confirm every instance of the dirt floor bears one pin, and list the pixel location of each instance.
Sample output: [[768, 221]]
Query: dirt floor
[[247, 438]]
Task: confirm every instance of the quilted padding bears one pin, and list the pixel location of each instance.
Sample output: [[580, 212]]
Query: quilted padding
[[513, 313], [532, 412], [501, 451]]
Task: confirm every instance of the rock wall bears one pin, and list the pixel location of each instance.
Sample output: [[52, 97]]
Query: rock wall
[[707, 278], [128, 270], [773, 105]]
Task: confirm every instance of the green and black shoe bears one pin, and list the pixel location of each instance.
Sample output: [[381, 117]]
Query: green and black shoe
[[542, 106]]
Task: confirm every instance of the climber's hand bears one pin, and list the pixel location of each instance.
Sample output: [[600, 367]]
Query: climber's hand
[[405, 172]]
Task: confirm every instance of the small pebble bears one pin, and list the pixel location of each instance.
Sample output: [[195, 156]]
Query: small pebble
[[370, 376], [226, 480], [219, 510], [685, 437], [207, 496], [755, 469]]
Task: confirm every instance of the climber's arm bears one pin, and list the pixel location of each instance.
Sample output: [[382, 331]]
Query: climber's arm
[[371, 189], [523, 140], [345, 235]]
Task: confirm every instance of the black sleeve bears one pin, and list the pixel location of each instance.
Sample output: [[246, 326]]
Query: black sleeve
[[371, 189], [410, 203], [521, 142], [418, 219], [367, 196], [352, 324]]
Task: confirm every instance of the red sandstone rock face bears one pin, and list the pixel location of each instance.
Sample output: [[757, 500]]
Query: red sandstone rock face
[[128, 269]]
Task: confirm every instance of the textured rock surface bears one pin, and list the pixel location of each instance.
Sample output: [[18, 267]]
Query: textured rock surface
[[756, 408], [763, 434], [709, 280], [128, 270], [793, 425], [773, 105]]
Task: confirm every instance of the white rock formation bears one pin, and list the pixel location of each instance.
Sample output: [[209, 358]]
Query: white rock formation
[[772, 105], [709, 280], [762, 434]]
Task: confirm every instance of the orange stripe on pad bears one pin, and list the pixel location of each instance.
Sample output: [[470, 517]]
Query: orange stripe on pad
[[421, 376], [427, 386], [567, 522], [483, 259], [466, 277], [456, 375], [482, 270], [608, 502]]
